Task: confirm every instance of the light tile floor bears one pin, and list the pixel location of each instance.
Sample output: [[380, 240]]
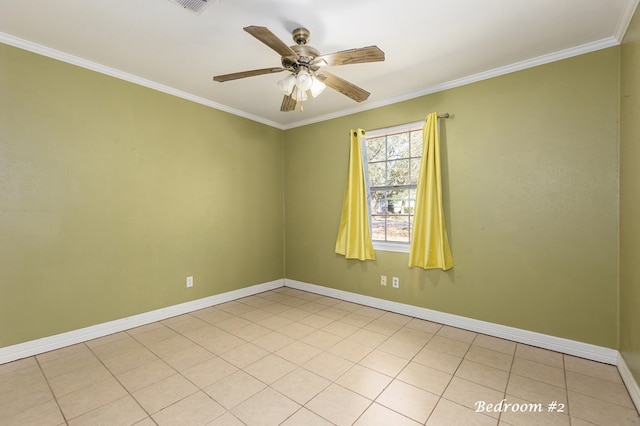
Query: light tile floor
[[287, 357]]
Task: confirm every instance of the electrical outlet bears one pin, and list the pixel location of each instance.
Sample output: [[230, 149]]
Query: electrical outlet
[[396, 282], [189, 281], [383, 280]]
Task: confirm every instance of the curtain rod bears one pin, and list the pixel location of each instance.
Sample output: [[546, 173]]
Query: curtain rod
[[445, 115]]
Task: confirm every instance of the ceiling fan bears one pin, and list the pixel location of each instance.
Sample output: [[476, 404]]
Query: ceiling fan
[[306, 67]]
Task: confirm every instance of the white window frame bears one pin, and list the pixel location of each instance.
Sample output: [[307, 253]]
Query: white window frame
[[400, 247]]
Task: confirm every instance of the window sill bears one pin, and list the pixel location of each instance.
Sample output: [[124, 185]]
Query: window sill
[[387, 246]]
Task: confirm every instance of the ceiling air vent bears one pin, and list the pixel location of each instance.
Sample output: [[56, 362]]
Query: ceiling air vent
[[195, 6]]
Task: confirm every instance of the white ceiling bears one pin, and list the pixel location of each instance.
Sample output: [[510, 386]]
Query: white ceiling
[[429, 45]]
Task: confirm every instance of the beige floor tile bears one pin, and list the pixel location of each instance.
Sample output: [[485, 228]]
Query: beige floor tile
[[423, 325], [378, 415], [117, 347], [298, 352], [110, 338], [145, 375], [226, 419], [350, 350], [316, 321], [449, 413], [408, 400], [295, 330], [356, 320], [256, 315], [338, 405], [605, 390], [426, 378], [456, 334], [155, 335], [170, 346], [401, 346], [244, 355], [270, 368], [77, 379], [251, 332], [89, 398], [267, 408], [367, 337], [223, 343], [535, 391], [276, 309], [380, 326], [370, 312], [145, 328], [600, 412], [204, 335], [234, 389], [44, 414], [384, 363], [164, 393], [333, 313], [188, 358], [541, 372], [397, 318], [534, 415], [470, 395], [211, 315], [328, 365], [364, 381], [301, 385], [543, 356], [209, 372], [347, 306], [23, 389], [184, 323], [123, 411], [295, 314], [66, 351], [68, 363], [489, 357], [413, 335], [483, 375], [129, 360], [321, 339], [12, 367], [448, 346], [235, 307], [197, 409], [273, 341], [438, 360], [341, 328], [495, 343], [306, 418], [592, 368], [233, 323]]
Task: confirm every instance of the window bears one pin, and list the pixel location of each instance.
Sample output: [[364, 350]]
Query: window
[[394, 156]]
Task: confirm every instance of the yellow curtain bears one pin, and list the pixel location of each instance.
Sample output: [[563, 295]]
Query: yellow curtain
[[429, 243], [354, 234]]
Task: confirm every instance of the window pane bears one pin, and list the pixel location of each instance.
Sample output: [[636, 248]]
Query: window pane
[[375, 149], [378, 174], [398, 146], [398, 172], [414, 169], [379, 202], [398, 228], [416, 143], [378, 227], [399, 200]]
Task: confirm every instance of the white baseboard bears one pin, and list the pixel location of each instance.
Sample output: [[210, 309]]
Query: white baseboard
[[629, 381], [570, 347], [46, 344]]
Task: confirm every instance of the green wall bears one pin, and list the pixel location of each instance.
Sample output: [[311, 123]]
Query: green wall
[[630, 197], [530, 170], [111, 194]]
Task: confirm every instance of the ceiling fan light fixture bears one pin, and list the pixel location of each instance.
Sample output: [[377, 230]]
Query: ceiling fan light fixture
[[304, 80], [287, 84], [316, 87]]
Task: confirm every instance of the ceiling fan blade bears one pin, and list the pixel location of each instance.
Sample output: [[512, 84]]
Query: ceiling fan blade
[[343, 86], [270, 39], [288, 104], [351, 56], [243, 74]]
